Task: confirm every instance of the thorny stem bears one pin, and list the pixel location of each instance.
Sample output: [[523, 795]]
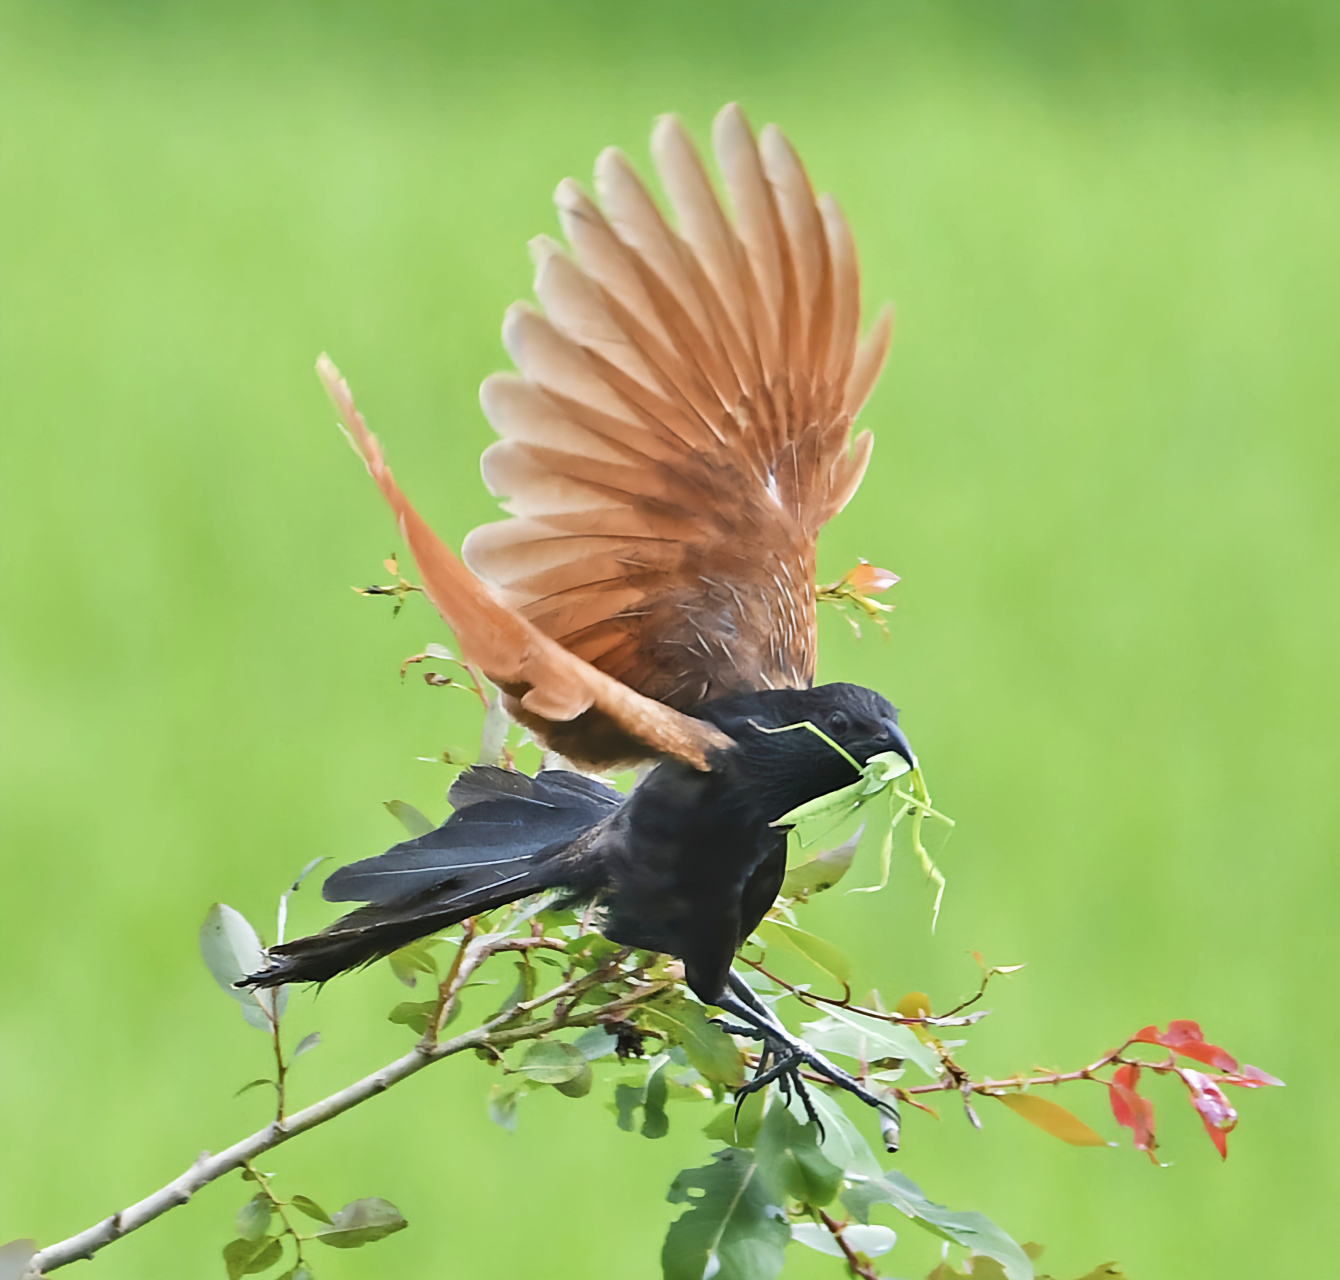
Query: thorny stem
[[854, 1264]]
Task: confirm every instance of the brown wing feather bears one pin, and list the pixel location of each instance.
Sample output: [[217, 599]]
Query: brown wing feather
[[573, 707], [681, 425]]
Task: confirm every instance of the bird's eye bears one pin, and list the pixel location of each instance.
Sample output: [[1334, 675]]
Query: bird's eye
[[838, 723]]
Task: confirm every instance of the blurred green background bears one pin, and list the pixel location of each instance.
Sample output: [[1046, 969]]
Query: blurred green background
[[1106, 469]]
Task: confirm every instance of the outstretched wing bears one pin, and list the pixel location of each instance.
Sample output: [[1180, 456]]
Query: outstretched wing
[[579, 711], [681, 424]]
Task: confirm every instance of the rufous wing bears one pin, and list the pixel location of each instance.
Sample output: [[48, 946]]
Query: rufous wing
[[680, 425]]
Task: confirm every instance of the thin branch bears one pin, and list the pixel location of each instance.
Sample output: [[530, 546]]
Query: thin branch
[[279, 1206], [854, 1264], [926, 1020], [494, 1034]]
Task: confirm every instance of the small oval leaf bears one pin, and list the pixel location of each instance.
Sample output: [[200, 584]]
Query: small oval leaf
[[553, 1062], [307, 1042], [231, 950], [253, 1218], [580, 1084], [310, 1207], [361, 1222]]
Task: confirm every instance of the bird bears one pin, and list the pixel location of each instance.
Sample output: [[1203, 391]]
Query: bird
[[679, 428]]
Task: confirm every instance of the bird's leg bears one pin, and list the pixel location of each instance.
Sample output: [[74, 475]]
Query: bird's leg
[[789, 1051], [776, 1059]]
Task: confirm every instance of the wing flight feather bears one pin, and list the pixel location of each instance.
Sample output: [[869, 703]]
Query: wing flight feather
[[680, 426]]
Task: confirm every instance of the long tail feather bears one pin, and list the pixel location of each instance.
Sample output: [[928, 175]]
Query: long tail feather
[[504, 841]]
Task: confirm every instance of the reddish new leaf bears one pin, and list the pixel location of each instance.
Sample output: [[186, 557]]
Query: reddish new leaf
[[1250, 1077], [1216, 1114], [1184, 1036], [869, 579], [1130, 1110]]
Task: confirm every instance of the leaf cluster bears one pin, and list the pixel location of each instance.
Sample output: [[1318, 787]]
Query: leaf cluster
[[265, 1221]]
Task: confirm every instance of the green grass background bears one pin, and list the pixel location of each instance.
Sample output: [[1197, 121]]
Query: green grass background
[[1106, 469]]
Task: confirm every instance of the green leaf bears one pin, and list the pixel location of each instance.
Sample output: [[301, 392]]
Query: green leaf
[[591, 947], [1052, 1118], [247, 1257], [253, 1218], [733, 1229], [739, 1129], [305, 1204], [413, 1014], [413, 959], [869, 1240], [306, 1043], [842, 1142], [822, 871], [580, 1084], [824, 812], [416, 823], [790, 1159], [595, 1042], [361, 1222], [502, 1107], [251, 1084], [266, 1258], [818, 816], [655, 1123], [231, 950], [973, 1230], [627, 1099], [819, 952], [854, 1035], [709, 1049], [553, 1062]]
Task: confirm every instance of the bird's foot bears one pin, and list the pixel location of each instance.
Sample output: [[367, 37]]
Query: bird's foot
[[784, 1056], [777, 1063]]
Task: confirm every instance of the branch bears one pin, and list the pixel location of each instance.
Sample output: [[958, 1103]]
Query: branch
[[854, 1264], [814, 1000], [494, 1034]]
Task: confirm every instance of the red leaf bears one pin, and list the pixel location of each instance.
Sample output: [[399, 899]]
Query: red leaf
[[1131, 1110], [869, 578], [1250, 1077], [1184, 1036], [1216, 1114]]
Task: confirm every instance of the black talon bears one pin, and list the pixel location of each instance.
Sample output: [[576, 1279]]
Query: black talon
[[783, 1055]]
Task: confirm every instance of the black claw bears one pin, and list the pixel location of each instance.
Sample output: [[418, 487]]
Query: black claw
[[782, 1056]]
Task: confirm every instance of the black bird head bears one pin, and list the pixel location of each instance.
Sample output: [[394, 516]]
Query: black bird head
[[794, 764]]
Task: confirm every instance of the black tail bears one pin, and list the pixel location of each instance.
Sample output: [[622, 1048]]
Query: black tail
[[501, 843]]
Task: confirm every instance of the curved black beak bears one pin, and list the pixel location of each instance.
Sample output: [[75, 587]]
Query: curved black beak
[[900, 743]]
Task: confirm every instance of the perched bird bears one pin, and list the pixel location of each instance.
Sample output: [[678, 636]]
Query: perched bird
[[678, 432]]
